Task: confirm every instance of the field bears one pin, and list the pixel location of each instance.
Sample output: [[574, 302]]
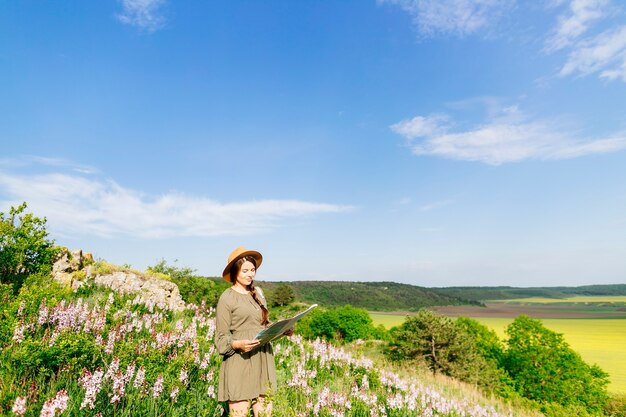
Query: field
[[597, 331]]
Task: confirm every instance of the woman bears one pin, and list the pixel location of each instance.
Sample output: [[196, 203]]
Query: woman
[[247, 374]]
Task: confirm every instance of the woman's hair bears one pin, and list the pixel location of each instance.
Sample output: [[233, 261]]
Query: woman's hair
[[234, 272]]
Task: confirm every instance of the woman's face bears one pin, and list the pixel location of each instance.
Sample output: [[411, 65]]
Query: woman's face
[[245, 275]]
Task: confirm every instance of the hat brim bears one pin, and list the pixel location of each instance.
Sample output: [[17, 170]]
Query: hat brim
[[256, 255]]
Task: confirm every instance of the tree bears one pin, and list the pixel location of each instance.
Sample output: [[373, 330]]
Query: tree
[[546, 369], [24, 246], [282, 295], [444, 347], [488, 343]]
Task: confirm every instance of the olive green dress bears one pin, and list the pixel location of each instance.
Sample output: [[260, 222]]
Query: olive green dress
[[243, 376]]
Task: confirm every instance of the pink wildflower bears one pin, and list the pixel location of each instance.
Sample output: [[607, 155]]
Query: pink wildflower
[[19, 406], [59, 402], [157, 389], [183, 376], [43, 313], [174, 393], [140, 377], [92, 384]]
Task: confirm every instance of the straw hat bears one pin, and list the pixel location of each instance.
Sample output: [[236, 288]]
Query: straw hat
[[237, 254]]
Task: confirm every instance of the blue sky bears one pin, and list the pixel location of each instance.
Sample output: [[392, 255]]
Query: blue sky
[[437, 143]]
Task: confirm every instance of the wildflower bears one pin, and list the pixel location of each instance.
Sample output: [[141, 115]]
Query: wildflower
[[205, 361], [110, 342], [157, 389], [118, 388], [59, 402], [43, 313], [211, 391], [19, 406], [183, 376], [20, 310], [174, 393], [140, 377], [18, 333], [130, 371], [92, 384], [113, 368]]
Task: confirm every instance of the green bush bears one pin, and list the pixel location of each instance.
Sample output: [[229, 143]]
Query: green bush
[[24, 246], [545, 369], [73, 351], [342, 324]]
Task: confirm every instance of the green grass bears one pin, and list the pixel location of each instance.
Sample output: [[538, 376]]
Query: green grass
[[599, 341]]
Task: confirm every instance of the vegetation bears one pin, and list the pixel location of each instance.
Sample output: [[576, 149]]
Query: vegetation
[[25, 248], [90, 352], [534, 362], [282, 295], [373, 296], [509, 293], [463, 350], [341, 324], [193, 289], [544, 368]]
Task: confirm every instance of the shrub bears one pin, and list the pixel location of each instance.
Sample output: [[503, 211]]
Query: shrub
[[73, 351], [24, 246], [544, 368], [342, 324]]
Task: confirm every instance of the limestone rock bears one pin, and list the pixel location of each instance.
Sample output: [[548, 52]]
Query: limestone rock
[[70, 270]]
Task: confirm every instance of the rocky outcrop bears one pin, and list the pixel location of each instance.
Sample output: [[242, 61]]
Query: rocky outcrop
[[74, 269]]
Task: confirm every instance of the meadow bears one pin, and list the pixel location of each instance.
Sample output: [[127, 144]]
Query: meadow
[[592, 332], [95, 353]]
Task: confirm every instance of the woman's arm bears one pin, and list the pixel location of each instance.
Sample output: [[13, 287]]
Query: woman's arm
[[223, 336]]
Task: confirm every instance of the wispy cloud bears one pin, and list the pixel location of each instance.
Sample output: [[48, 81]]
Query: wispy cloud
[[76, 205], [453, 17], [591, 47], [511, 137], [604, 54], [570, 26], [145, 14]]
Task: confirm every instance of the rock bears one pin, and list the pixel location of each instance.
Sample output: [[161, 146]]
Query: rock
[[150, 289]]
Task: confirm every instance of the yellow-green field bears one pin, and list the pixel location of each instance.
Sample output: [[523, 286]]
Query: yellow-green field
[[599, 341]]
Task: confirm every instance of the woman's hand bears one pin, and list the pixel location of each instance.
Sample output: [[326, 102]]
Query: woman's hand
[[245, 345], [288, 332]]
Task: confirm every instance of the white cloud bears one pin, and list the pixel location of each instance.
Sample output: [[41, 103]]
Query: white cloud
[[78, 206], [453, 17], [510, 138], [144, 14], [571, 26], [605, 53]]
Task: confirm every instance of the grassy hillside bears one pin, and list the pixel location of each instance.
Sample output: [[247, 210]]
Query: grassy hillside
[[78, 353], [373, 296]]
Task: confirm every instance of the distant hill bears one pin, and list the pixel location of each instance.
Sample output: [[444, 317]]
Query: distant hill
[[507, 293], [374, 296]]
